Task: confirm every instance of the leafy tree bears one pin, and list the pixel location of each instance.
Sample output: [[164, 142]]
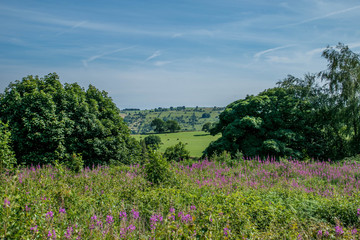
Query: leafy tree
[[206, 127], [152, 142], [177, 153], [7, 156], [49, 122], [205, 115], [278, 122], [343, 79], [172, 125], [159, 125], [157, 169]]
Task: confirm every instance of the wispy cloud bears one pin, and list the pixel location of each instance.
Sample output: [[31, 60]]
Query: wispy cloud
[[339, 12], [259, 54], [161, 63], [92, 58], [76, 25], [154, 55]]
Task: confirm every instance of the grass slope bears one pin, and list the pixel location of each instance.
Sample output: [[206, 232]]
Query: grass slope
[[196, 142]]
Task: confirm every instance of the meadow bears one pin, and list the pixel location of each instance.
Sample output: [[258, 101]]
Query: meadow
[[195, 142], [254, 199]]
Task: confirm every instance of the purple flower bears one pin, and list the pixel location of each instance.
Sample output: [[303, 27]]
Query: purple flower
[[69, 232], [131, 228], [326, 234], [109, 219], [226, 232], [34, 229], [135, 214], [27, 209], [358, 211], [354, 231], [339, 230], [154, 219], [6, 203], [319, 233], [94, 217], [122, 215], [186, 218], [50, 214], [172, 210], [193, 207], [99, 223], [62, 210]]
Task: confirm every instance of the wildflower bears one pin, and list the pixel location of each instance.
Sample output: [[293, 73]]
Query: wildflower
[[354, 231], [62, 210], [319, 233], [122, 215], [99, 223], [6, 203], [135, 214], [34, 229], [154, 219], [226, 231], [109, 219], [27, 209], [50, 214], [326, 234], [94, 217], [172, 210], [186, 218], [358, 211], [339, 230], [193, 208], [69, 232], [131, 228]]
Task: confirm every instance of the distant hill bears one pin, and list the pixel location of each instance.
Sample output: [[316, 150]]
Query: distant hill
[[189, 118]]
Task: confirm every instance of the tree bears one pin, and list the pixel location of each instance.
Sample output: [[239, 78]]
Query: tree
[[152, 142], [343, 79], [177, 153], [277, 122], [206, 115], [50, 121], [206, 127], [172, 125], [159, 125]]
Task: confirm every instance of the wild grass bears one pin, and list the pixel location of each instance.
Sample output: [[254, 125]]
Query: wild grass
[[254, 199]]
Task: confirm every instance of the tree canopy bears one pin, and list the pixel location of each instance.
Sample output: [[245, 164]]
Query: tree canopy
[[50, 121], [298, 118]]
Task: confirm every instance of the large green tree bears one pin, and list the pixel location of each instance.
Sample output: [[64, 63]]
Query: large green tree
[[50, 121], [343, 79], [277, 122]]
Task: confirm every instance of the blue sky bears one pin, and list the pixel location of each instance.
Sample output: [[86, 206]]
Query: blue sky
[[149, 54]]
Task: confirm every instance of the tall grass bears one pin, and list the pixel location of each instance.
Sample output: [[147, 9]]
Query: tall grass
[[254, 199]]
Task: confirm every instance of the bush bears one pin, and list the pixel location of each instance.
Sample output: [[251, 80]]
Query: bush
[[157, 169], [177, 153], [152, 142], [7, 156]]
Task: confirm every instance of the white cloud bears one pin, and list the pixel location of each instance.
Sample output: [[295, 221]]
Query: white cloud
[[154, 55], [92, 58]]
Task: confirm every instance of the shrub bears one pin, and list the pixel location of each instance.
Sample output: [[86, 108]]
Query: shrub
[[7, 156], [152, 142], [177, 153], [157, 169]]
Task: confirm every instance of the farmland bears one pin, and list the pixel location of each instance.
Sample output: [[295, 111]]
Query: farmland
[[254, 199], [195, 142], [189, 118]]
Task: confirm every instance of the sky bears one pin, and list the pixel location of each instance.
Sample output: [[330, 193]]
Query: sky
[[162, 53]]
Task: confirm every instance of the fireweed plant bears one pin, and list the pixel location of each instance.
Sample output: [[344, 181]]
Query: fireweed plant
[[254, 199]]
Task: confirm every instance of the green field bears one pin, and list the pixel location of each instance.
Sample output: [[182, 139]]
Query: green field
[[196, 142]]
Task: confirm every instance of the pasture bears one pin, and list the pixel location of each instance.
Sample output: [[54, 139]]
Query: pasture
[[195, 142]]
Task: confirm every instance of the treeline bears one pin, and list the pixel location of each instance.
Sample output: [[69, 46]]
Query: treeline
[[298, 118]]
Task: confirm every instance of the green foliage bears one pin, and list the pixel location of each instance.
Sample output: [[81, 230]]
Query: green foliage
[[157, 169], [75, 162], [159, 125], [152, 142], [7, 156], [177, 153], [172, 126], [206, 127], [50, 121]]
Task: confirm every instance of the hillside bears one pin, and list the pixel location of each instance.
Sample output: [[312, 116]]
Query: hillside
[[189, 118]]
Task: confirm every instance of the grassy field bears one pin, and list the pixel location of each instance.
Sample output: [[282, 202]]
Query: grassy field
[[196, 142]]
